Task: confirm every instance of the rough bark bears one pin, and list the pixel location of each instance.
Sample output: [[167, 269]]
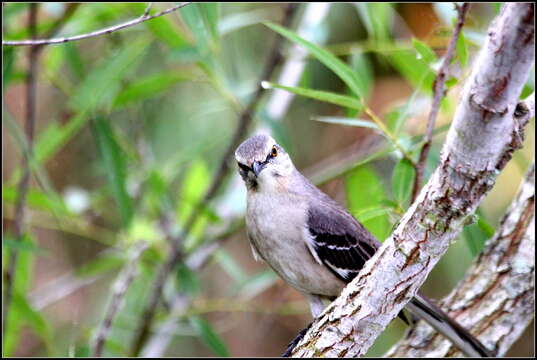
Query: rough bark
[[485, 132], [496, 298]]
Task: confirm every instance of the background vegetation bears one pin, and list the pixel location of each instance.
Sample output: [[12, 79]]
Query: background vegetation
[[132, 127]]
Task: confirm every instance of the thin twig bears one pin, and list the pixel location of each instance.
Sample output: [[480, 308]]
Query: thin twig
[[244, 120], [108, 30], [439, 85], [176, 251], [20, 208], [148, 9], [119, 290]]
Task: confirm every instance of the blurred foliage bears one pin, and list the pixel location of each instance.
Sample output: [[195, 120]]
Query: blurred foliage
[[136, 122]]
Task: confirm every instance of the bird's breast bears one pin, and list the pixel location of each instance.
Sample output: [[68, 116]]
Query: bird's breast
[[277, 229]]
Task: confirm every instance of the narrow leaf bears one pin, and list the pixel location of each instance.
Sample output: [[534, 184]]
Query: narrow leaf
[[194, 19], [342, 70], [8, 60], [210, 14], [462, 49], [341, 100], [373, 212], [148, 87], [100, 85], [402, 181], [188, 280], [113, 160], [165, 31], [365, 190], [426, 53], [415, 70], [347, 121], [209, 336]]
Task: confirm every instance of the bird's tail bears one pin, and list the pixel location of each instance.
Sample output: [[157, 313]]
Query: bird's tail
[[425, 309]]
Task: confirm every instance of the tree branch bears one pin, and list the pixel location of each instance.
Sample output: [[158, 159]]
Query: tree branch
[[176, 254], [24, 184], [496, 297], [20, 205], [482, 138], [439, 87], [119, 290], [144, 17]]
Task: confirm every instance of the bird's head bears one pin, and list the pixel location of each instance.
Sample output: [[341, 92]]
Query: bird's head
[[263, 164]]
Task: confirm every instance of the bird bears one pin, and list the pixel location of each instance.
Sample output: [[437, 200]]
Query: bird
[[311, 241]]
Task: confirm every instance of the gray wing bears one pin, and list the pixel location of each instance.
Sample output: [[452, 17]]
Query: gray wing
[[338, 240]]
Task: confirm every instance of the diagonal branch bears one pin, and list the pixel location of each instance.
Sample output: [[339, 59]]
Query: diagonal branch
[[144, 17], [176, 253], [119, 290], [439, 88], [20, 205], [484, 133], [497, 296], [31, 94]]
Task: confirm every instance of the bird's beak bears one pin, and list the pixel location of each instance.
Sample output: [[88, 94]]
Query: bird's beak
[[257, 167]]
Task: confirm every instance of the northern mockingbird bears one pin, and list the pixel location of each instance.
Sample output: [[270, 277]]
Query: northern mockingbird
[[311, 241]]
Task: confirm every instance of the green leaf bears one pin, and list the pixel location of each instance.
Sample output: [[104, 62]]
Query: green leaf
[[476, 235], [485, 227], [347, 121], [462, 49], [11, 9], [415, 70], [365, 190], [8, 60], [236, 21], [209, 336], [342, 70], [54, 60], [10, 243], [106, 262], [452, 81], [189, 281], [82, 350], [210, 15], [194, 17], [19, 314], [402, 181], [426, 53], [74, 60], [373, 212], [52, 139], [341, 100], [193, 188], [33, 317], [101, 84], [377, 18], [363, 68], [148, 87], [113, 160], [164, 30], [36, 199]]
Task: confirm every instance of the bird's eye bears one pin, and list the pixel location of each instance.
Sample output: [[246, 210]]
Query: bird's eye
[[243, 167], [274, 152]]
